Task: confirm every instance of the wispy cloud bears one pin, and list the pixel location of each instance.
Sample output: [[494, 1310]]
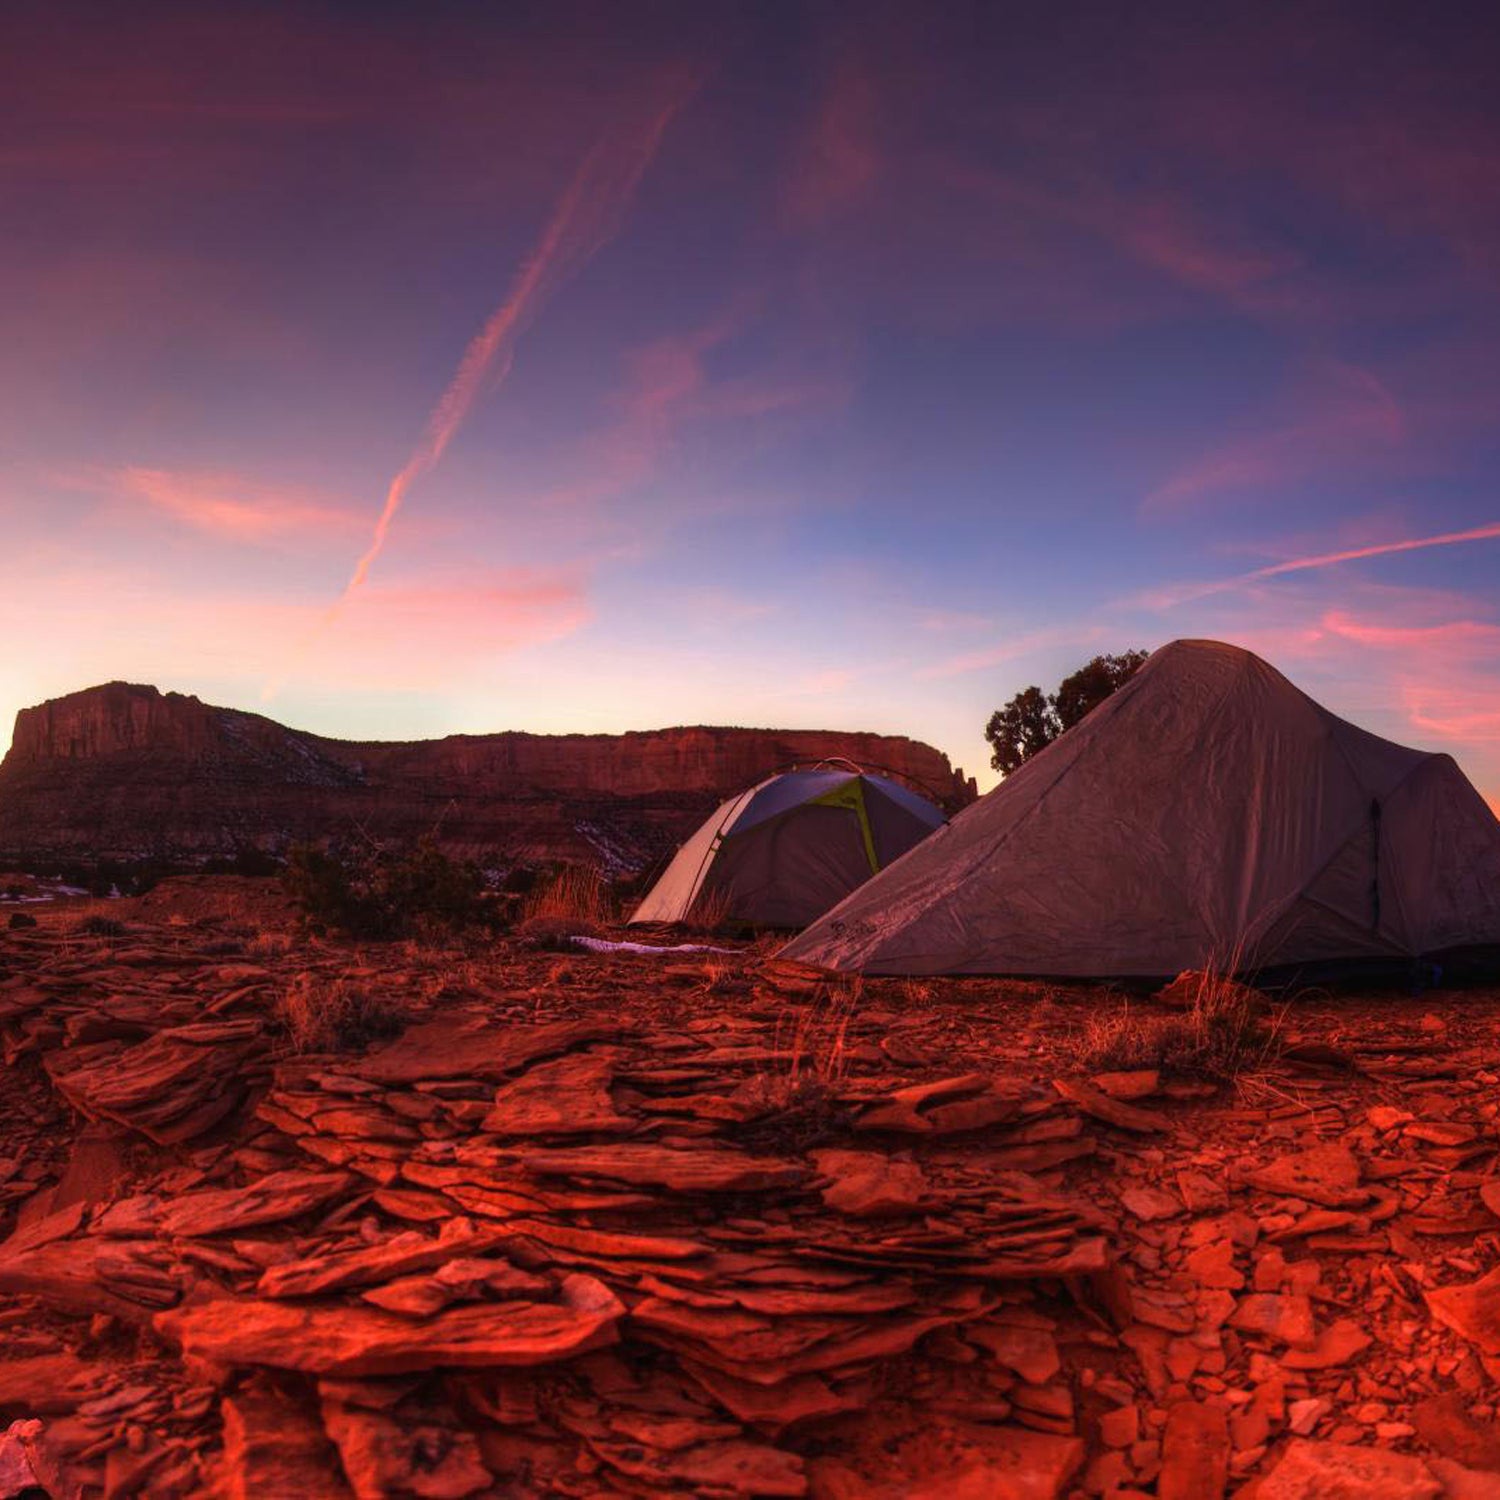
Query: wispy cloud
[[838, 162], [1016, 647], [230, 505], [1446, 673], [426, 635], [1345, 420], [1172, 595], [669, 394]]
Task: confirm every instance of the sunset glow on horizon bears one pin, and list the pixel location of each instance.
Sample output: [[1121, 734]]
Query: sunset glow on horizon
[[399, 372]]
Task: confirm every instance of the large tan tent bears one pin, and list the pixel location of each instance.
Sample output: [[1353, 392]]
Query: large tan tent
[[1209, 813], [783, 852]]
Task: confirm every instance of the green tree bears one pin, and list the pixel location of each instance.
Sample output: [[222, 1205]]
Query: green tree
[[1092, 683], [1033, 719], [1026, 724]]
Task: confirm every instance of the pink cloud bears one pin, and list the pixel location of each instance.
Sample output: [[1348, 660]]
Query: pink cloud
[[1342, 420], [232, 506], [1447, 674], [838, 161], [667, 391], [1450, 636], [1167, 234], [516, 608], [1021, 645], [426, 635]]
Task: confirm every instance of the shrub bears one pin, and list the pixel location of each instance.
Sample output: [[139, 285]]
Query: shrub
[[709, 913], [1222, 1034], [318, 1014], [98, 925], [385, 894]]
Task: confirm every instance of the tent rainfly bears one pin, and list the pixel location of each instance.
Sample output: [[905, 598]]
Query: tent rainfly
[[1207, 814], [783, 852]]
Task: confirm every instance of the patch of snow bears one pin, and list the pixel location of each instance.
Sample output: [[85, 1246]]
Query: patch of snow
[[616, 857]]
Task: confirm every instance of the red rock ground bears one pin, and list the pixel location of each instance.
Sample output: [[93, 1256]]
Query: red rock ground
[[585, 1224]]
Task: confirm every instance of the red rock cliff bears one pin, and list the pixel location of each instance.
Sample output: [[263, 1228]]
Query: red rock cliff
[[124, 770]]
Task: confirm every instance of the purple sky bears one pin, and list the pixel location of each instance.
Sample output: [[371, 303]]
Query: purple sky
[[793, 365]]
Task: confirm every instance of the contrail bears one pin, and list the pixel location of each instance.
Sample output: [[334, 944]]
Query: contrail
[[1381, 549], [1169, 597], [586, 218]]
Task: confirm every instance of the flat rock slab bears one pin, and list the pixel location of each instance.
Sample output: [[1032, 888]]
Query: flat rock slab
[[1338, 1471], [123, 1277], [1448, 1424], [869, 1185], [455, 1048], [44, 1385], [384, 1456], [733, 1467], [274, 1445], [1031, 1352], [566, 1096], [1335, 1346], [705, 1170], [1149, 1204], [948, 1106], [1094, 1101], [1283, 1317], [1472, 1310], [280, 1196], [401, 1255], [1328, 1174], [1195, 1453], [1139, 1083], [945, 1460], [360, 1341]]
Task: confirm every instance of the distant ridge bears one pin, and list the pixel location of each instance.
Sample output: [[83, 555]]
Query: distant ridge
[[125, 771]]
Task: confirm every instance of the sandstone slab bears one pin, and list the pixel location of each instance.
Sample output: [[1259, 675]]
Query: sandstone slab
[[1471, 1309], [1340, 1471], [360, 1341]]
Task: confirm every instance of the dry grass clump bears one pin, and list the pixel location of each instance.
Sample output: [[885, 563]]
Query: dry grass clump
[[268, 944], [575, 893], [96, 924], [1223, 1033], [322, 1014], [725, 975], [709, 913], [798, 1099], [574, 902]]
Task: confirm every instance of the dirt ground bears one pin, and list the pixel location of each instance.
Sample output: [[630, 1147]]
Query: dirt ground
[[543, 1223]]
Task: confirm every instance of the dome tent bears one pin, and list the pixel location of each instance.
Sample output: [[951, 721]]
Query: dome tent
[[783, 852], [1207, 814]]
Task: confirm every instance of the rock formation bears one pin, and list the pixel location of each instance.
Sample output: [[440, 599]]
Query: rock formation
[[125, 771]]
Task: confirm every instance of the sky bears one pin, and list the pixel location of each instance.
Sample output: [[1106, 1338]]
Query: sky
[[399, 371]]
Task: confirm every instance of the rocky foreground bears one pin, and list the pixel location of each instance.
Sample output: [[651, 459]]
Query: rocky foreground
[[593, 1224]]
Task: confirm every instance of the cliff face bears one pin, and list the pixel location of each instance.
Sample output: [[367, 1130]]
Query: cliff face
[[124, 771]]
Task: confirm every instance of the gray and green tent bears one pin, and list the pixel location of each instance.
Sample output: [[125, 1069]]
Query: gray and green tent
[[785, 851]]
